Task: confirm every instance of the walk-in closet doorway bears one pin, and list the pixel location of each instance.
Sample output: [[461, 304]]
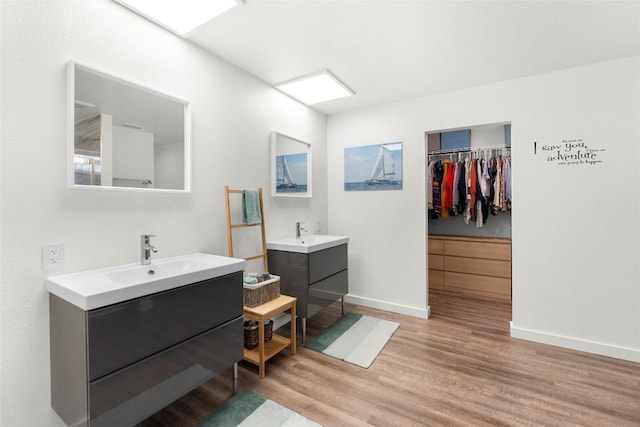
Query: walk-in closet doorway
[[468, 192]]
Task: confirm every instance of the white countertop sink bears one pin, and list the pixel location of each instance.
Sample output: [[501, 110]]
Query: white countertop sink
[[308, 243], [98, 288]]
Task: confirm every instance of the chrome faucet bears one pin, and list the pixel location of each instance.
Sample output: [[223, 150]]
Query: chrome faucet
[[298, 228], [146, 248]]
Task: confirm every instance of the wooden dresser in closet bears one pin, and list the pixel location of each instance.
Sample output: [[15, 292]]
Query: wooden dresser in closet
[[470, 265]]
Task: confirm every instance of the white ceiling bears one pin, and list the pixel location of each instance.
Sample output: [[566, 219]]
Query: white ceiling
[[391, 50]]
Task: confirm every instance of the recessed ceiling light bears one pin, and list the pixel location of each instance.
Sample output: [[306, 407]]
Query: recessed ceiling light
[[179, 16], [315, 88]]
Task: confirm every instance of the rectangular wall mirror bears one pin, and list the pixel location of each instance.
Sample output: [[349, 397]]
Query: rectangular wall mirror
[[125, 136], [290, 166]]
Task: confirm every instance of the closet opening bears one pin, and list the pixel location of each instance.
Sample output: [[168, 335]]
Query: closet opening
[[468, 189]]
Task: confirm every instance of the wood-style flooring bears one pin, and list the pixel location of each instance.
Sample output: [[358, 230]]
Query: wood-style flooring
[[460, 367]]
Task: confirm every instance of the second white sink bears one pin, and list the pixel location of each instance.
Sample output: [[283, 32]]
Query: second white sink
[[307, 243]]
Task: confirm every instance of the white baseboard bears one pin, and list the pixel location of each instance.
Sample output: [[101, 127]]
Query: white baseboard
[[609, 350], [284, 318], [384, 305]]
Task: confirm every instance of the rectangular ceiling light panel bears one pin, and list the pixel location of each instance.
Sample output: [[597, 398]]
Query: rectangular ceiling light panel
[[179, 16], [315, 88]]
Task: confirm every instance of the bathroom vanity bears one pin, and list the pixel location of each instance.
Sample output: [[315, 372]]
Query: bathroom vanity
[[314, 269], [127, 341]]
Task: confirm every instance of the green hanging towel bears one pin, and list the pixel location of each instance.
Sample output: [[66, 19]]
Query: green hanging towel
[[251, 207]]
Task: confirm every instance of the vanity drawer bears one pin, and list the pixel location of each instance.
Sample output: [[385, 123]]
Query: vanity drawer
[[291, 267], [329, 290], [125, 333], [327, 262], [130, 395]]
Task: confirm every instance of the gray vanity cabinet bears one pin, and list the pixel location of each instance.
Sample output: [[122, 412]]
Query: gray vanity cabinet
[[316, 279], [116, 365]]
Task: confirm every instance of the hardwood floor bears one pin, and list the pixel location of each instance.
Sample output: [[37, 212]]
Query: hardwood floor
[[460, 367]]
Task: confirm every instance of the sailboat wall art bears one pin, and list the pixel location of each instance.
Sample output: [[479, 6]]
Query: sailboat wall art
[[373, 167]]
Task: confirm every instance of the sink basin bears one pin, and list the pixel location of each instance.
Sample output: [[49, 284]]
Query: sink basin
[[308, 243], [98, 288]]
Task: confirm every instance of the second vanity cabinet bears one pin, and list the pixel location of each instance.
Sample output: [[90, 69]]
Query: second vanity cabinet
[[316, 279], [116, 365]]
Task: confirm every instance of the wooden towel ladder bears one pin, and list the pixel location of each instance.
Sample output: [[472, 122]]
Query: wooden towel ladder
[[231, 226]]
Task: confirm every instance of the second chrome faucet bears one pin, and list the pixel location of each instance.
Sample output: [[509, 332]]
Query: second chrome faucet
[[146, 248], [299, 228]]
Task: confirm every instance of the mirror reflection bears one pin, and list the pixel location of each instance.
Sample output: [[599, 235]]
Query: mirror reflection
[[291, 166], [125, 135]]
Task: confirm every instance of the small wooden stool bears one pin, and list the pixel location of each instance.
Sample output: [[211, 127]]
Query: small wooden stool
[[266, 350]]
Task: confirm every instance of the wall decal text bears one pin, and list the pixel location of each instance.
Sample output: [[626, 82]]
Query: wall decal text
[[569, 152]]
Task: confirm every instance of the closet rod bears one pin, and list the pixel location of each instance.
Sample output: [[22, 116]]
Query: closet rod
[[468, 149]]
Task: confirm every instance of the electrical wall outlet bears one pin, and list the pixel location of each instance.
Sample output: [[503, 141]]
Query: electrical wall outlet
[[53, 257]]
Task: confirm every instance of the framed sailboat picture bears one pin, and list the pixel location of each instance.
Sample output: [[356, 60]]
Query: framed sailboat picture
[[373, 167]]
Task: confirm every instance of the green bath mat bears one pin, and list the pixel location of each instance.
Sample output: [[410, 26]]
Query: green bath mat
[[354, 338], [250, 409]]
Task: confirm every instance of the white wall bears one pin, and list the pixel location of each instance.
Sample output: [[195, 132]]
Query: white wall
[[575, 235], [233, 114], [482, 136], [575, 229]]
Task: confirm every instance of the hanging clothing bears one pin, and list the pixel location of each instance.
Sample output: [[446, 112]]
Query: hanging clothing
[[503, 185], [449, 183], [497, 185], [467, 184], [474, 187], [507, 192], [454, 189], [444, 212], [482, 210], [460, 189], [430, 181], [438, 172]]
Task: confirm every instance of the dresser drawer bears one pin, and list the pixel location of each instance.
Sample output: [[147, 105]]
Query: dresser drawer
[[436, 262], [436, 246], [487, 250], [478, 285], [436, 279], [478, 266]]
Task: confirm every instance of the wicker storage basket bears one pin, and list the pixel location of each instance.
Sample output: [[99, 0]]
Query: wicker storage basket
[[250, 334], [255, 295], [268, 329]]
